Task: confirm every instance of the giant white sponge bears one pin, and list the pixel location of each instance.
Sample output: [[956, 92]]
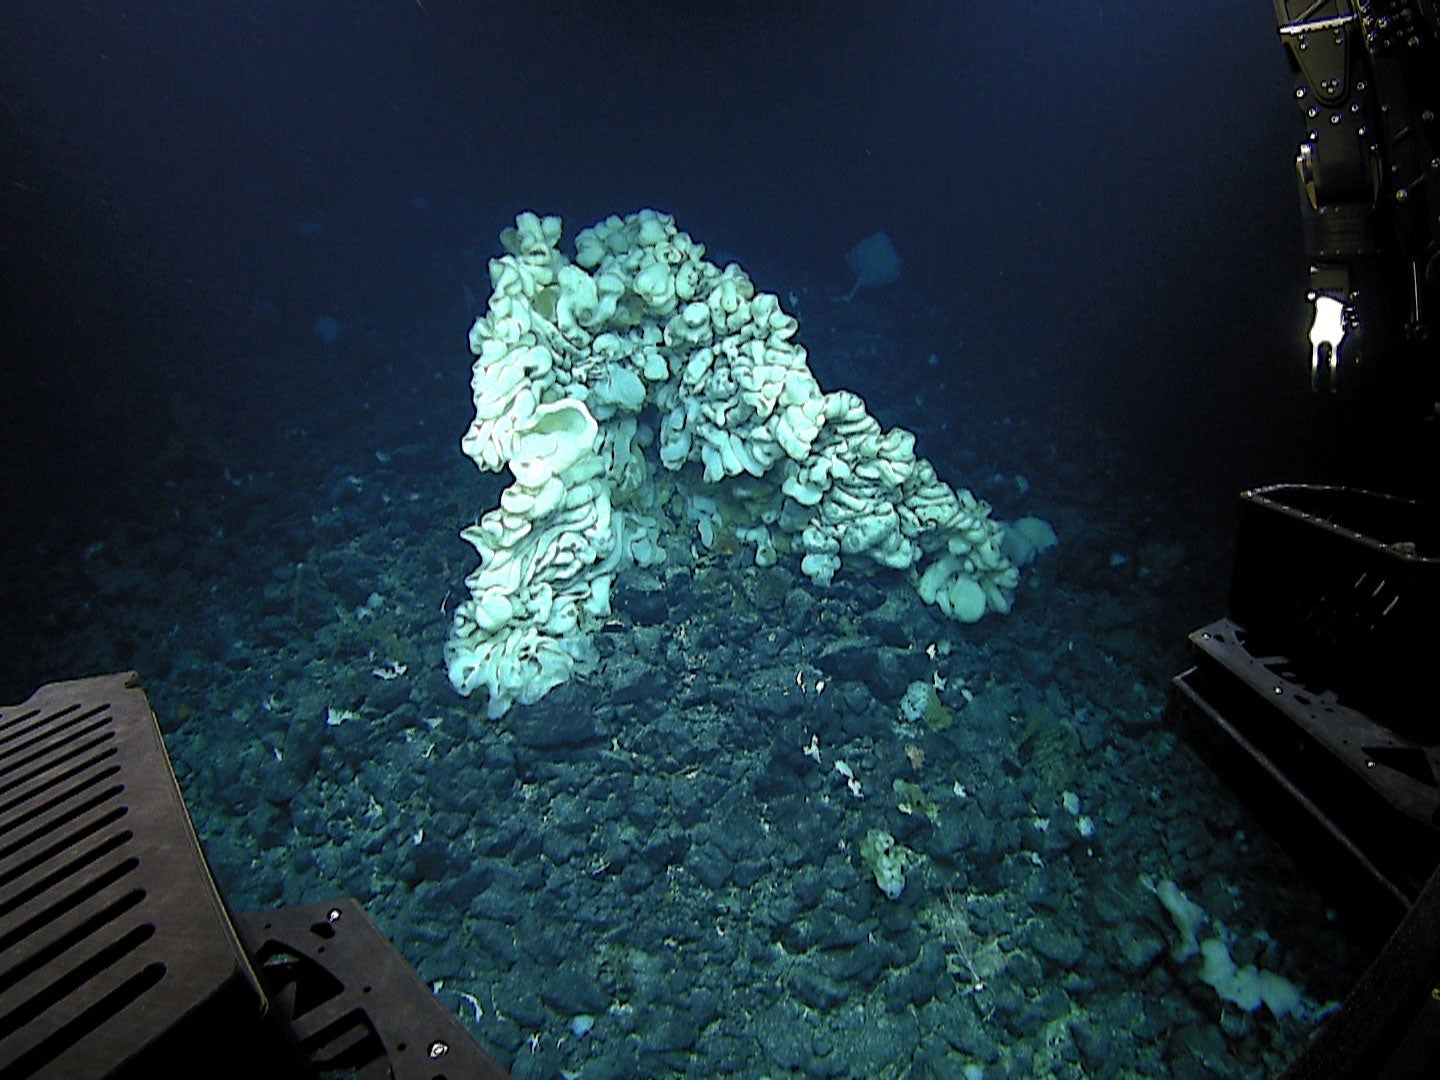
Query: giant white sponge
[[641, 398]]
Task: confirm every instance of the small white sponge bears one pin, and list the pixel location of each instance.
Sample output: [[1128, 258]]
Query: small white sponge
[[1026, 538], [1248, 987]]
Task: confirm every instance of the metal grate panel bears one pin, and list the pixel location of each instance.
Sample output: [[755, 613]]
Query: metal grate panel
[[110, 925]]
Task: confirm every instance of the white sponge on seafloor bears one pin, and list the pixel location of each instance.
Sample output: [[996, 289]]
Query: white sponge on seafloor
[[1025, 538], [875, 262], [639, 392], [1248, 987]]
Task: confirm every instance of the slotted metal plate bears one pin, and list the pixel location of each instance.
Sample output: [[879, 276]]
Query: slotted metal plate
[[110, 926]]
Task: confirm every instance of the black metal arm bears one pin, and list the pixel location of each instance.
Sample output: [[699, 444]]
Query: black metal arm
[[1368, 166]]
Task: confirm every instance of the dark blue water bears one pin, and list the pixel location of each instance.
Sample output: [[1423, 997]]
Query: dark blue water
[[243, 245]]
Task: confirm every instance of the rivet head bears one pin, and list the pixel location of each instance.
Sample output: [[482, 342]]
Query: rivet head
[[438, 1050]]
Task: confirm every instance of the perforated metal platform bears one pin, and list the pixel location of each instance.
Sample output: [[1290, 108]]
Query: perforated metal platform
[[110, 925], [118, 958]]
